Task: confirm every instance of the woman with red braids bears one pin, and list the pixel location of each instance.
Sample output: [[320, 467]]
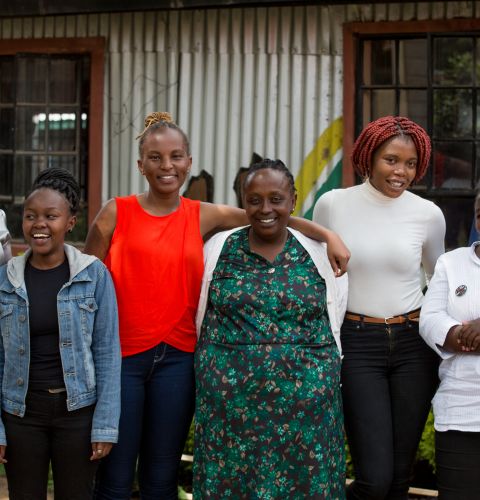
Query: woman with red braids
[[389, 375]]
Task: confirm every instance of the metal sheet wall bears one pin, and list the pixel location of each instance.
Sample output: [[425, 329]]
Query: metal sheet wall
[[267, 80]]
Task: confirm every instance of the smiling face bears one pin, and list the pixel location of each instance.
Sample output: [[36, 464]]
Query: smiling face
[[46, 220], [268, 200], [394, 166], [165, 162]]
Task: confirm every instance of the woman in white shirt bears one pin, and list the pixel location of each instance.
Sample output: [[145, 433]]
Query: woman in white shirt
[[5, 249], [450, 324], [388, 373]]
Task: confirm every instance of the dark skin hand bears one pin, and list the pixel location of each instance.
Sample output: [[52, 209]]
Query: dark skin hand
[[464, 338], [468, 336], [100, 450]]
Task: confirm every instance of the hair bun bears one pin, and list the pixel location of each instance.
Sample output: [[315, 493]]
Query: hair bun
[[158, 116]]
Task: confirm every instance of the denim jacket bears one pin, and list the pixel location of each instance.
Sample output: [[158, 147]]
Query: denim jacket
[[89, 341]]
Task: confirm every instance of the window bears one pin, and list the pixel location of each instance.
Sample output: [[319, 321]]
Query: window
[[50, 115], [432, 77], [43, 119]]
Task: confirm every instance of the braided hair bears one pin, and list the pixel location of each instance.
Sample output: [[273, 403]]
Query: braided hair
[[160, 120], [383, 129], [273, 165], [60, 180]]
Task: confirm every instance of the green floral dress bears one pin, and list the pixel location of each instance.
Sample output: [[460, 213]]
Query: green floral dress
[[268, 421]]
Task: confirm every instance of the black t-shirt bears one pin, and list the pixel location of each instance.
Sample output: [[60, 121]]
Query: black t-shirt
[[42, 289]]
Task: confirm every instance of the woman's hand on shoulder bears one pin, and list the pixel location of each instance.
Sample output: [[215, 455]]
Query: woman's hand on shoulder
[[101, 231], [215, 217]]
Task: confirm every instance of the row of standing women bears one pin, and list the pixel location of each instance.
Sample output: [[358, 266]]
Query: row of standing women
[[60, 349], [268, 411]]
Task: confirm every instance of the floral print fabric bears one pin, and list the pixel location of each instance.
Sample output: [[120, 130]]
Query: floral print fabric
[[268, 422]]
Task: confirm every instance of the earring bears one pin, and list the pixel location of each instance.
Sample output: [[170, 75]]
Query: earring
[[70, 230]]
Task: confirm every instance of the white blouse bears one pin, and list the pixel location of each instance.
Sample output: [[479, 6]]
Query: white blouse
[[453, 296]]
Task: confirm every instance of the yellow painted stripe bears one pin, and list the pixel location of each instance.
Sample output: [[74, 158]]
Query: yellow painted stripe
[[327, 145]]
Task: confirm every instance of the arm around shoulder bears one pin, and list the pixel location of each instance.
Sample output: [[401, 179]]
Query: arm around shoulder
[[215, 217], [101, 231]]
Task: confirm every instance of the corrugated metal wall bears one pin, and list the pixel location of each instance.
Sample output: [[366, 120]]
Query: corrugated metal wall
[[267, 80]]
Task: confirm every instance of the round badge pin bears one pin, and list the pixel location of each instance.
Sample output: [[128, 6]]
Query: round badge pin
[[461, 290]]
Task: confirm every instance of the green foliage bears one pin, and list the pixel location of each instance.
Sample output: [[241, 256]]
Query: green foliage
[[426, 448], [188, 450], [348, 461]]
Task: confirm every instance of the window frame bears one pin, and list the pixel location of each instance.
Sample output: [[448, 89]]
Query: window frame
[[95, 48], [351, 34]]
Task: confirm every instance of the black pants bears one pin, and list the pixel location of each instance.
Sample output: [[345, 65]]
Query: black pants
[[458, 465], [389, 376], [48, 433]]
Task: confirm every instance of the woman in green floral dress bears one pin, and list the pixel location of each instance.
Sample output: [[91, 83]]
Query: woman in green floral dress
[[268, 408]]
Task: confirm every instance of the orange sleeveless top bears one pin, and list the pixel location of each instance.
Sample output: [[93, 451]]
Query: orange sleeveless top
[[157, 266]]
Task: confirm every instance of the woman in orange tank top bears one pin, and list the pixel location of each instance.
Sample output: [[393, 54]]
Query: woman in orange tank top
[[152, 244]]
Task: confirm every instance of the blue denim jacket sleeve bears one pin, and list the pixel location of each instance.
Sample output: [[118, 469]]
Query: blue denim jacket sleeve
[[107, 358], [3, 437]]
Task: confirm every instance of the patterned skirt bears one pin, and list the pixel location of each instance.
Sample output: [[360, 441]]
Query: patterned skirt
[[268, 422]]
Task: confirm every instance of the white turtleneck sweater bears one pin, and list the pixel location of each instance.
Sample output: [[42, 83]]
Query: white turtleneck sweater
[[389, 239]]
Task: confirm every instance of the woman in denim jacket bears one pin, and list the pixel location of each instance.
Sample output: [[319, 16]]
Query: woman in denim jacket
[[59, 352]]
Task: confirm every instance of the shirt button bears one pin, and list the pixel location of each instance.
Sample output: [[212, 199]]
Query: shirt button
[[22, 318], [19, 381], [21, 350]]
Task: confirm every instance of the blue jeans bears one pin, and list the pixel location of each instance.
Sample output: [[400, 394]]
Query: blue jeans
[[158, 398], [389, 376]]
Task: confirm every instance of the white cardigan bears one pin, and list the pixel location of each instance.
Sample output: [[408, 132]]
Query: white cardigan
[[447, 303], [337, 288]]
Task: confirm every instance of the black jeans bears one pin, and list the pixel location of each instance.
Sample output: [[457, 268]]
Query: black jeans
[[48, 433], [389, 376], [458, 465]]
